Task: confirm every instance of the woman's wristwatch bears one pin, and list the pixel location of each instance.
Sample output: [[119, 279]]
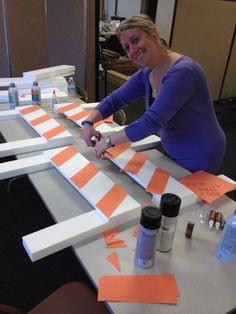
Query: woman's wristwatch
[[86, 122], [107, 141]]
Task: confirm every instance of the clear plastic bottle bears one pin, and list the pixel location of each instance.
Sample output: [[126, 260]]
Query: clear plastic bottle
[[169, 206], [53, 100], [226, 248], [13, 96], [36, 94], [71, 89], [150, 222]]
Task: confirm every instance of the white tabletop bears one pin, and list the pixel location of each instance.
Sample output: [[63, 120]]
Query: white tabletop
[[207, 286]]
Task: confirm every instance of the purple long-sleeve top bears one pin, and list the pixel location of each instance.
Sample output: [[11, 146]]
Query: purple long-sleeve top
[[182, 113]]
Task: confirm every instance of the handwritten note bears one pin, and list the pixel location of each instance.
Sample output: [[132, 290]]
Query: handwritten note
[[207, 186]]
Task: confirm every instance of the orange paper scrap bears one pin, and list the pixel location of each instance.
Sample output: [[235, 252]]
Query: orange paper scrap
[[68, 107], [111, 200], [117, 150], [111, 242], [109, 119], [135, 163], [67, 153], [136, 230], [206, 185], [79, 115], [158, 182], [54, 132], [114, 260], [29, 109], [84, 175], [139, 288], [41, 119]]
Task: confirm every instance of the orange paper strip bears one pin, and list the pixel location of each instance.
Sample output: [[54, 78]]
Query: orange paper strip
[[84, 175], [206, 185], [116, 244], [158, 182], [53, 132], [64, 155], [117, 150], [114, 260], [135, 163], [139, 288], [111, 200], [30, 109], [111, 233], [111, 242], [68, 107], [41, 119], [79, 115]]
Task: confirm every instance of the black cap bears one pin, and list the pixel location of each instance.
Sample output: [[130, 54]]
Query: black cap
[[151, 217], [170, 205]]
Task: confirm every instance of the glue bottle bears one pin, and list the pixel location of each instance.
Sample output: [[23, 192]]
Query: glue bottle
[[169, 206], [150, 222], [53, 100], [36, 94], [13, 96], [226, 249]]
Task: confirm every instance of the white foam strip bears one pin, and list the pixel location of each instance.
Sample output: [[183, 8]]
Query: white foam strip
[[23, 166]]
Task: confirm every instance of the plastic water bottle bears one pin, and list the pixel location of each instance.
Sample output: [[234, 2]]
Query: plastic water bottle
[[226, 248], [150, 222], [53, 100], [13, 96], [36, 94], [71, 89]]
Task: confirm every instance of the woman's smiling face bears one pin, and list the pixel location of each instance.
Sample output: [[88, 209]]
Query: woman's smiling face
[[140, 47]]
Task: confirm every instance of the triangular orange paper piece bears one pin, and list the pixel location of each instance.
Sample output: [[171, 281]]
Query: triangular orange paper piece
[[114, 260]]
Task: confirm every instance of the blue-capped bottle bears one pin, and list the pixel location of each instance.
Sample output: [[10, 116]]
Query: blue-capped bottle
[[71, 88], [13, 96], [36, 94], [226, 249]]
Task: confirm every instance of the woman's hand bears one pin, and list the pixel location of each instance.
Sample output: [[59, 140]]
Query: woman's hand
[[100, 147], [88, 132]]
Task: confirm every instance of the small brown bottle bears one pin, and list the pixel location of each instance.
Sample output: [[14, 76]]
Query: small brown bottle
[[190, 226]]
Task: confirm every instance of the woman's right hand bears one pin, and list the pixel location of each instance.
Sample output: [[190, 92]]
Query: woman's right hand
[[88, 132]]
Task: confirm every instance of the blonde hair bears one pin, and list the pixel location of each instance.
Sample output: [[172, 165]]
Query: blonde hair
[[141, 21]]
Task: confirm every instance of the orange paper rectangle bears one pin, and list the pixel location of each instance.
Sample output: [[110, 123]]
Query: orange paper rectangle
[[41, 119], [67, 153], [117, 150], [68, 107], [158, 182], [79, 115], [53, 132], [111, 200], [29, 109], [135, 163], [84, 175], [139, 288], [206, 185]]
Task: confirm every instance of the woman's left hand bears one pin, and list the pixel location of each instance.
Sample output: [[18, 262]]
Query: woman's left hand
[[100, 148]]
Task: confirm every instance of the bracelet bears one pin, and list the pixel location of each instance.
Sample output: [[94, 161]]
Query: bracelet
[[87, 122]]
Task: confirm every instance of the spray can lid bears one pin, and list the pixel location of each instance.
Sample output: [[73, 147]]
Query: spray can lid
[[170, 205], [151, 217], [12, 85], [35, 83]]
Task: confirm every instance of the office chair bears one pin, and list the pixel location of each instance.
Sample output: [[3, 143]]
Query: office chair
[[71, 298]]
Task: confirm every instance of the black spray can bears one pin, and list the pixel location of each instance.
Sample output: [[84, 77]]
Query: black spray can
[[150, 222], [169, 206]]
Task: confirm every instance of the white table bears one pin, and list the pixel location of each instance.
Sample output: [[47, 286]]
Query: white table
[[207, 286]]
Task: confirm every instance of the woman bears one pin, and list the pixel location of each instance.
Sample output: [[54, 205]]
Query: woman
[[178, 102]]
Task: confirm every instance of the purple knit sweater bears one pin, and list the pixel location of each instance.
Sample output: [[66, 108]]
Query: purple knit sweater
[[182, 113]]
